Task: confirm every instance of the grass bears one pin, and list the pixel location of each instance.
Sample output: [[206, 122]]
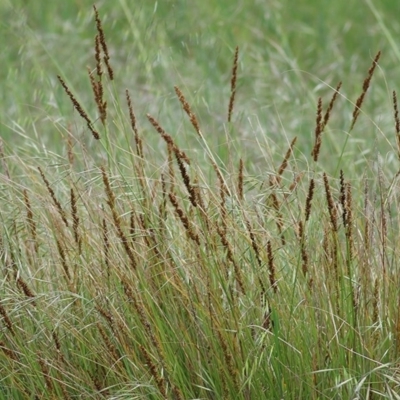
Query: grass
[[184, 220]]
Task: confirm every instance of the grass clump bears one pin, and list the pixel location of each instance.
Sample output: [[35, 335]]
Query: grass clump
[[129, 275]]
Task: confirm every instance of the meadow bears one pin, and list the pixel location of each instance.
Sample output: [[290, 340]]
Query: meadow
[[199, 200]]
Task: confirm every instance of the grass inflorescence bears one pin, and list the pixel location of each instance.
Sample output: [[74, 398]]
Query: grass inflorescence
[[133, 275]]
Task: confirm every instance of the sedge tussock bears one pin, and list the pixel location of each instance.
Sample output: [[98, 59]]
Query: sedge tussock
[[161, 280]]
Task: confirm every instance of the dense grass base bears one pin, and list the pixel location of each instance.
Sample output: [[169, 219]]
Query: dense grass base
[[214, 263]]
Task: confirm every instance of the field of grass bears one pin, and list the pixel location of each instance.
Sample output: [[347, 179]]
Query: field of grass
[[199, 200]]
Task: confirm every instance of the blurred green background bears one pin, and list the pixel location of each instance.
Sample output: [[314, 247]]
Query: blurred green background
[[290, 53]]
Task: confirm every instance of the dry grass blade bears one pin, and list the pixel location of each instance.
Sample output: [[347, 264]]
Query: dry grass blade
[[366, 84], [233, 84]]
